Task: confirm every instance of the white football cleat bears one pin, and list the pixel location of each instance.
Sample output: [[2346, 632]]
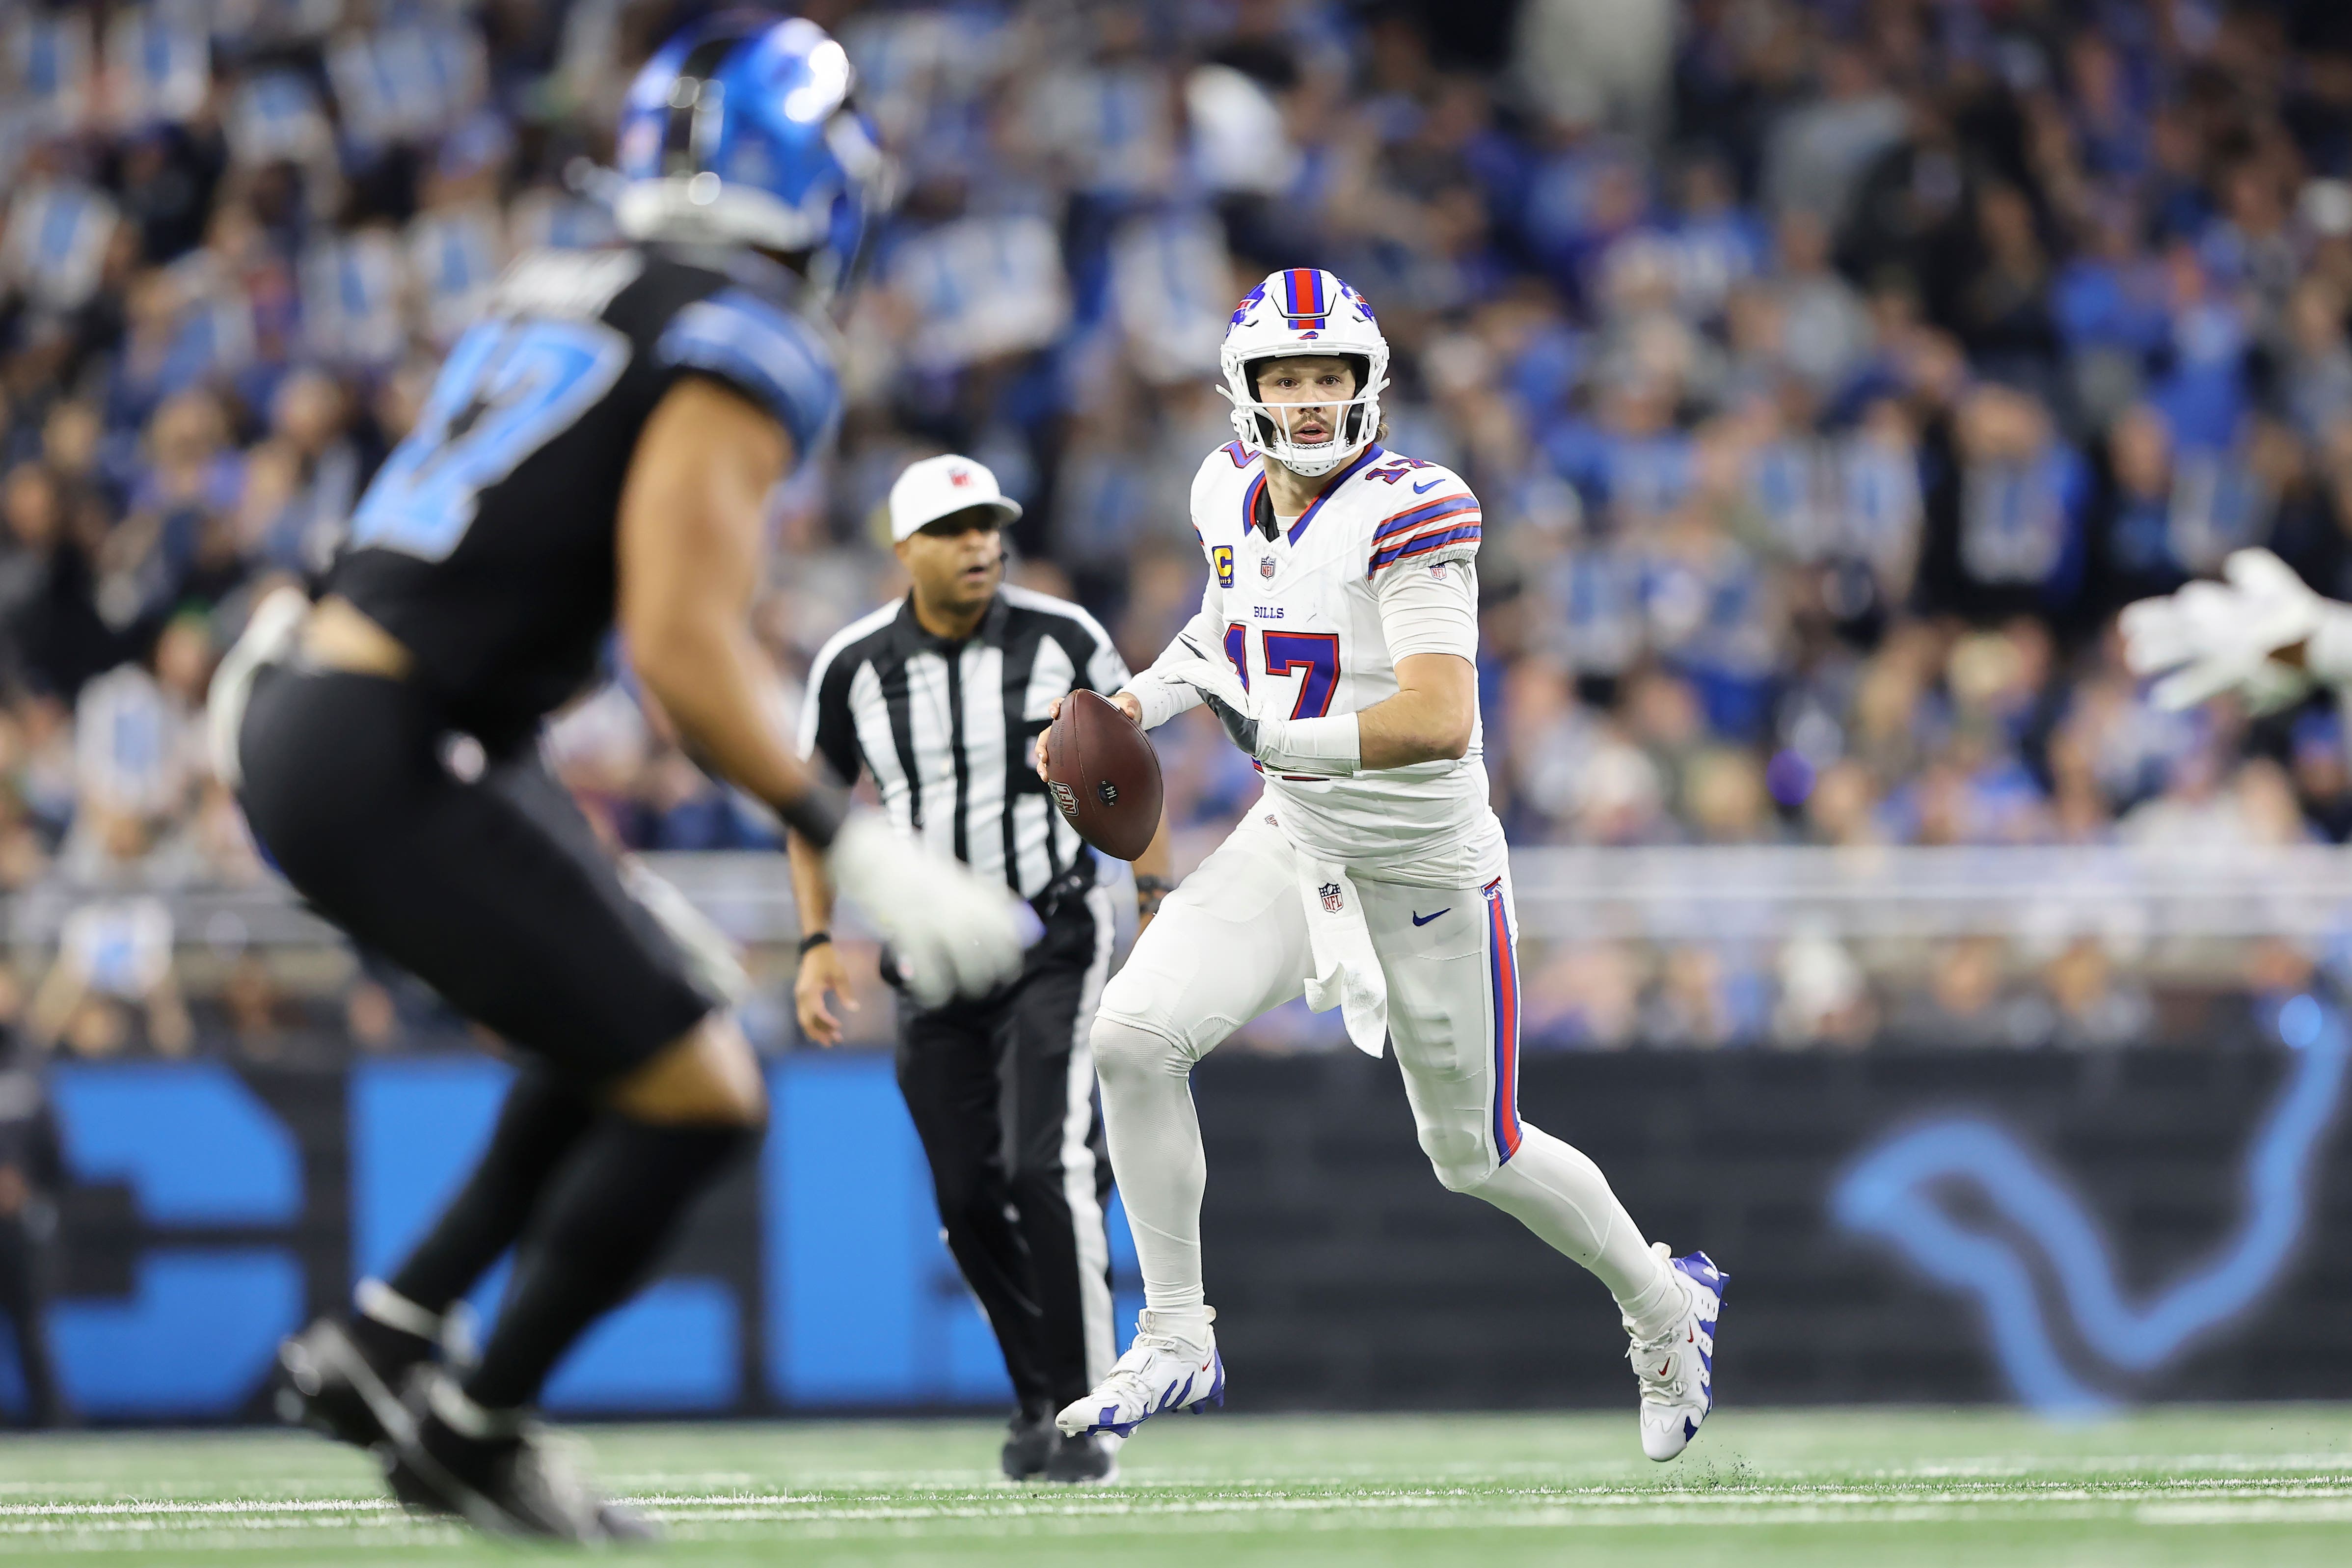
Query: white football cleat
[[1159, 1372], [1677, 1369]]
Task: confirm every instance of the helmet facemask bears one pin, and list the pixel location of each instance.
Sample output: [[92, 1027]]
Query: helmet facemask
[[1269, 428]]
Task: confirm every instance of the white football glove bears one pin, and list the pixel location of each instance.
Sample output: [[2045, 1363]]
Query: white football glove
[[955, 933], [269, 633], [2220, 636], [1327, 747]]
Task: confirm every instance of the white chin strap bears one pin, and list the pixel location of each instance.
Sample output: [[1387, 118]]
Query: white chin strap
[[1307, 460]]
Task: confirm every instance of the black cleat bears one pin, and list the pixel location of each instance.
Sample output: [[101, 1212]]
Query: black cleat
[[1027, 1445], [1087, 1459], [522, 1484], [326, 1382]]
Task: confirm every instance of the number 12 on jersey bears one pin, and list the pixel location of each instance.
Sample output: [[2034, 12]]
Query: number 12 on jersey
[[1316, 654]]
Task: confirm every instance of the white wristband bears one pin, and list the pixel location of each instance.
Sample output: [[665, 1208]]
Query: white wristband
[[1328, 747], [1160, 701]]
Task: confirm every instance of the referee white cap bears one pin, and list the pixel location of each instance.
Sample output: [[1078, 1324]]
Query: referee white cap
[[935, 486]]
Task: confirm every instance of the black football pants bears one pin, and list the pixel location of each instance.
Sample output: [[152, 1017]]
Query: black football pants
[[492, 890], [1002, 1090]]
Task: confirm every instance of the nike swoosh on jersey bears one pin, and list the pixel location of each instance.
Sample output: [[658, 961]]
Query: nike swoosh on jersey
[[1424, 920], [1424, 489]]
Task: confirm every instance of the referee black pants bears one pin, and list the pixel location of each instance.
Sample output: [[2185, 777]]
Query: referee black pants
[[24, 1304], [1001, 1091]]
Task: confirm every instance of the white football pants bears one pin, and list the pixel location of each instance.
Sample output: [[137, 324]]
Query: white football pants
[[1231, 943]]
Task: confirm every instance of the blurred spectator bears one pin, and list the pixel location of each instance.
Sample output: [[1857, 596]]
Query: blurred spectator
[[1968, 1001], [113, 956], [2094, 1005], [1598, 63], [1829, 376], [1823, 997], [257, 1011]]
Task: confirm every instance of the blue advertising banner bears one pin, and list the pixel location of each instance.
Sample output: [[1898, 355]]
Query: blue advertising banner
[[2064, 1230], [840, 1266]]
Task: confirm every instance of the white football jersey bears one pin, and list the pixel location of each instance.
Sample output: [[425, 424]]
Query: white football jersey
[[1298, 617]]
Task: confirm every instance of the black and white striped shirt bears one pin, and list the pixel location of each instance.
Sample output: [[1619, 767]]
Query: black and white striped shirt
[[946, 729]]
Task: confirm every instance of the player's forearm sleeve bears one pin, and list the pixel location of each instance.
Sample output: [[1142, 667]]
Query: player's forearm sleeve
[[1161, 697], [1423, 612], [1330, 747]]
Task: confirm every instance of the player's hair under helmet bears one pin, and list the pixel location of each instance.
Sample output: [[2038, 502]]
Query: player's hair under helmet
[[740, 131], [1304, 311]]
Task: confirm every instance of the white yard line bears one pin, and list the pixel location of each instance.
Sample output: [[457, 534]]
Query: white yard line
[[2168, 1501]]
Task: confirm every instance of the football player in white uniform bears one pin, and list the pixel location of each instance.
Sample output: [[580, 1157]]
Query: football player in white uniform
[[1338, 640]]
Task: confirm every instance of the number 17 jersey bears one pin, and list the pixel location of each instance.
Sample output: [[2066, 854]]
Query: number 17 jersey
[[485, 543], [1297, 615]]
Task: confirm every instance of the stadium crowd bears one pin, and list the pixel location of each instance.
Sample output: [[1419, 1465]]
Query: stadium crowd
[[1830, 373]]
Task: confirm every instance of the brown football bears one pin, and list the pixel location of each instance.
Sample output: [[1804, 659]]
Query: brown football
[[1103, 774]]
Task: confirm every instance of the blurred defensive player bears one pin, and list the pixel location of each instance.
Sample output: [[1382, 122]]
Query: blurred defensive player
[[1337, 640], [597, 452]]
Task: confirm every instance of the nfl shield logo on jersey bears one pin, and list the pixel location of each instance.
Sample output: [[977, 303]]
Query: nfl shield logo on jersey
[[1265, 565], [1331, 900]]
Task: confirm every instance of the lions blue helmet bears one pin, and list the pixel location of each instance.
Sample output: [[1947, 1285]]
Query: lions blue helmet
[[741, 130]]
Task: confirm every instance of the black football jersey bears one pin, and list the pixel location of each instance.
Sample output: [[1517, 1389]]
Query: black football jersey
[[485, 543]]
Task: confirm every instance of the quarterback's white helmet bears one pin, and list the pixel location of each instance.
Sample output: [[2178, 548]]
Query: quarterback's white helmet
[[1304, 311]]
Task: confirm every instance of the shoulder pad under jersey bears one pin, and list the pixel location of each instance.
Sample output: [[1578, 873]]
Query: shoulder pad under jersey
[[1415, 513], [776, 359]]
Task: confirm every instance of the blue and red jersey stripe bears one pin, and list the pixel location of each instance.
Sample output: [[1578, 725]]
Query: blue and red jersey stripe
[[1413, 517], [1503, 963], [1422, 543]]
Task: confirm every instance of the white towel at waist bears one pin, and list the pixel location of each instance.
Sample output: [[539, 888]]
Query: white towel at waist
[[1344, 970]]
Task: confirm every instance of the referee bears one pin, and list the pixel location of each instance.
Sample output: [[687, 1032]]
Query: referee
[[939, 698]]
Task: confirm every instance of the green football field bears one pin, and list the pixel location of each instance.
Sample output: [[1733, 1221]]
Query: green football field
[[2269, 1485]]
